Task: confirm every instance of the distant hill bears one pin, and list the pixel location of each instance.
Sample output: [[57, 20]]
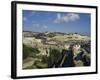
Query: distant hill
[[58, 36]]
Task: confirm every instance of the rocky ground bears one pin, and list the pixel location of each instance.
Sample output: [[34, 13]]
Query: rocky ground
[[44, 50]]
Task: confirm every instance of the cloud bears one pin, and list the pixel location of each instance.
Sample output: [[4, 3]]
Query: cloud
[[32, 13], [44, 26], [66, 18], [36, 25], [24, 18], [39, 26]]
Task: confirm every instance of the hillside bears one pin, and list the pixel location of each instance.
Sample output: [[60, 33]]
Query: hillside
[[42, 50]]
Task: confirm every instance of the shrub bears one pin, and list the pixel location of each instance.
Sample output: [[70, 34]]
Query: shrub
[[29, 51]]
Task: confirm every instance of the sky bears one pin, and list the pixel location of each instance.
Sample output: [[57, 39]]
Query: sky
[[69, 22]]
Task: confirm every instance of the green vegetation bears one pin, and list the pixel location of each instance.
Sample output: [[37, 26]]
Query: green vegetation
[[55, 56], [51, 35], [45, 50], [29, 51]]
